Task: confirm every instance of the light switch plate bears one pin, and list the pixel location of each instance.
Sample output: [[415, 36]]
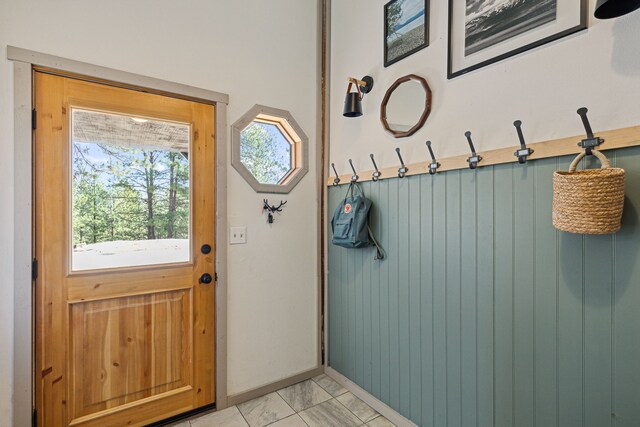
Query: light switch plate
[[238, 235]]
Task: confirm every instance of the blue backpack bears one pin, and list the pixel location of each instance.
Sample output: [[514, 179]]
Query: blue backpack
[[350, 222]]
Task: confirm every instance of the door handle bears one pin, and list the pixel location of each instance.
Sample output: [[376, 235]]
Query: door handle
[[206, 278]]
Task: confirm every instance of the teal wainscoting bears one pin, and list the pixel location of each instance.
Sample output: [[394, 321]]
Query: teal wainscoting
[[483, 314]]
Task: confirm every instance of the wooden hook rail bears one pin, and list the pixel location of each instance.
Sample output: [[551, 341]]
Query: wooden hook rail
[[614, 139]]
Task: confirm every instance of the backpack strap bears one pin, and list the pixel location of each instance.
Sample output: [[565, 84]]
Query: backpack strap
[[350, 190], [380, 254]]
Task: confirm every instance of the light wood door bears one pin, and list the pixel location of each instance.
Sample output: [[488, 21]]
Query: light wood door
[[125, 322]]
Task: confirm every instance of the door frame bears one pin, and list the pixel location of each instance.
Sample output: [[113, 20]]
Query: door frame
[[23, 63]]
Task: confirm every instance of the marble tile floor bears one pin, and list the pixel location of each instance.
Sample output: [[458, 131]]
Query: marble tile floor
[[319, 402]]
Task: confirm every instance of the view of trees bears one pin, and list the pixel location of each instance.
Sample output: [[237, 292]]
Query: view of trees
[[129, 194], [394, 13], [265, 152]]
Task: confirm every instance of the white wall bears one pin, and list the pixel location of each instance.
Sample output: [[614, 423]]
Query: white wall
[[598, 68], [257, 52]]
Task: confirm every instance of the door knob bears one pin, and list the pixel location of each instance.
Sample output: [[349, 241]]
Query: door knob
[[206, 278]]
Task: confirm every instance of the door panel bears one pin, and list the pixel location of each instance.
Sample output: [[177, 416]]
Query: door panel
[[124, 201], [113, 339]]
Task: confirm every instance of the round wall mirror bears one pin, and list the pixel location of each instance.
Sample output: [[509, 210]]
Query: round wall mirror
[[406, 106]]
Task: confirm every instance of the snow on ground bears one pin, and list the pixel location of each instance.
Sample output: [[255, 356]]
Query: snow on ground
[[121, 253]]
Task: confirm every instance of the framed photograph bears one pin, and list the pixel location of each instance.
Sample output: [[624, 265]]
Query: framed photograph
[[406, 29], [482, 32]]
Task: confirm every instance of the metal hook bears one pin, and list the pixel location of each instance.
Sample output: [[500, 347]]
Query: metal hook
[[336, 180], [434, 165], [376, 175], [402, 172], [474, 159], [272, 209], [590, 141], [523, 152], [355, 176]]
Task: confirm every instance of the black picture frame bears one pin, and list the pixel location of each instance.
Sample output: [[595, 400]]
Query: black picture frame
[[389, 58], [452, 73]]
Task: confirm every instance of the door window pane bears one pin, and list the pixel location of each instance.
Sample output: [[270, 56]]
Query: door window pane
[[130, 191]]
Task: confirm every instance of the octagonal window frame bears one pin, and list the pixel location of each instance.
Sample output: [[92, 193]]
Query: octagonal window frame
[[291, 131]]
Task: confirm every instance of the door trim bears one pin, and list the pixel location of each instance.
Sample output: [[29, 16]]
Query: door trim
[[24, 62], [72, 68]]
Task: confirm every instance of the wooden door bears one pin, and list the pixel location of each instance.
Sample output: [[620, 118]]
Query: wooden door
[[124, 211]]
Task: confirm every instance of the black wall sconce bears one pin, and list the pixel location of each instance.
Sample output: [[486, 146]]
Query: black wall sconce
[[353, 100], [607, 9]]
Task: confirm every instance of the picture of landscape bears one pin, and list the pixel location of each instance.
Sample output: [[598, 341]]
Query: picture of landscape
[[489, 22], [405, 30]]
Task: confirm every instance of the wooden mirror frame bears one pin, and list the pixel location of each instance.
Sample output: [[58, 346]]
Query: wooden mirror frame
[[423, 117]]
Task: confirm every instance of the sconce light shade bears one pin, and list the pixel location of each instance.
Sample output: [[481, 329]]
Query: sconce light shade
[[352, 105], [353, 100], [606, 9]]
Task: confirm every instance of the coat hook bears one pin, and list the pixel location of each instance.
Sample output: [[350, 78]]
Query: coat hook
[[336, 180], [474, 159], [354, 177], [590, 141], [271, 209], [523, 152], [434, 165], [402, 172], [376, 175]]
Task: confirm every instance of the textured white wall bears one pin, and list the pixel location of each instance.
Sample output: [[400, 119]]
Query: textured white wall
[[598, 68], [257, 52]]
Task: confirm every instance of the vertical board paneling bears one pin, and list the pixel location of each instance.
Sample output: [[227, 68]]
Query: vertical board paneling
[[483, 314], [394, 288], [385, 279], [358, 338], [503, 302], [375, 219], [597, 326], [454, 313], [366, 310], [546, 299], [627, 297], [334, 306], [403, 295], [523, 294], [351, 314], [468, 296], [439, 298], [347, 284], [485, 283], [427, 301], [373, 347], [570, 327], [414, 297]]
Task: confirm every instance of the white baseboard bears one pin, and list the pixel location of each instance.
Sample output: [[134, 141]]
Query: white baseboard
[[370, 400]]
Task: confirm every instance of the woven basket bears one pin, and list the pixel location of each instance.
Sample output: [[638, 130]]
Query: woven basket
[[588, 201]]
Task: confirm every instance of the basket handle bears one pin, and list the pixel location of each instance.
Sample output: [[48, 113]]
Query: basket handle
[[603, 160]]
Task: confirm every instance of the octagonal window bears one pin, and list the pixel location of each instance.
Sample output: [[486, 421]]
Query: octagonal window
[[266, 151], [269, 149]]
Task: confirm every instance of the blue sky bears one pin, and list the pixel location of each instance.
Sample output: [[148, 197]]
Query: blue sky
[[410, 8], [96, 156]]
